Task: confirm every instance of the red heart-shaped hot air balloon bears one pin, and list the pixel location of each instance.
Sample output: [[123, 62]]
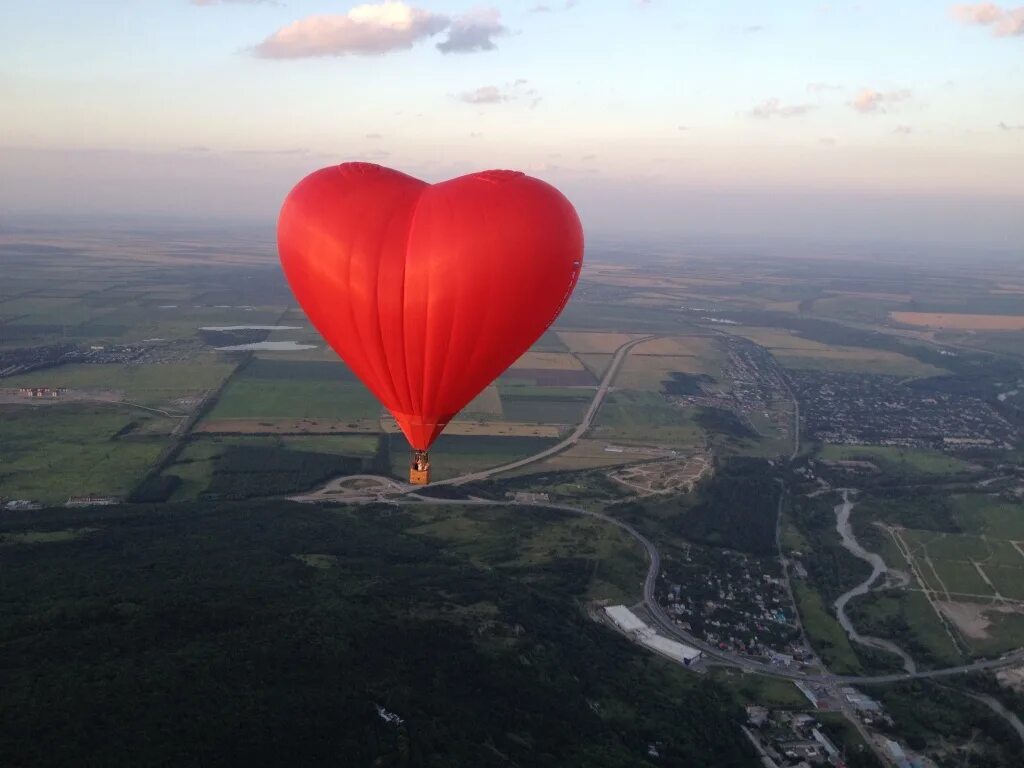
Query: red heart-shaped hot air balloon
[[428, 291]]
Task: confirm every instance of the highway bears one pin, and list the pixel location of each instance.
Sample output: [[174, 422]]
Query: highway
[[665, 624], [588, 419]]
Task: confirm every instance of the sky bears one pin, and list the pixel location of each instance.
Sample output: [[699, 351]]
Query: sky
[[733, 118]]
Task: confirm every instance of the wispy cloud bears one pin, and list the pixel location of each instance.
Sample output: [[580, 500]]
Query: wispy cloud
[[487, 94], [1005, 22], [548, 8], [495, 94], [774, 107], [366, 29], [378, 28], [822, 87], [869, 101], [234, 2]]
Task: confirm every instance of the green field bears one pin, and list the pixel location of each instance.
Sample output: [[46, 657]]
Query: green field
[[148, 384], [857, 360], [761, 690], [1008, 581], [645, 417], [896, 460], [991, 516], [1004, 634], [194, 465], [907, 619], [824, 633], [951, 546], [544, 405], [961, 578], [248, 397], [53, 452], [344, 445]]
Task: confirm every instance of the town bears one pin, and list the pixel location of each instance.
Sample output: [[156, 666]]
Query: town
[[855, 409]]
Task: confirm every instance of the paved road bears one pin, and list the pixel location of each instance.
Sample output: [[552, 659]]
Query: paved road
[[670, 628], [1012, 720], [334, 489], [399, 493], [571, 440]]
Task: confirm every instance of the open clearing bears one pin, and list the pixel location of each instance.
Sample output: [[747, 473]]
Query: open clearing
[[287, 426], [559, 361], [961, 322], [898, 459], [646, 417], [51, 454], [588, 454], [977, 580], [648, 372], [793, 351], [266, 398], [148, 384], [684, 346]]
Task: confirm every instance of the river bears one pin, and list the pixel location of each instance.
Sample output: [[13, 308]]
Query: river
[[878, 567]]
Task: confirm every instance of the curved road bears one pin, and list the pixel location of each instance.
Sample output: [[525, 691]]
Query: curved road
[[588, 419], [404, 493]]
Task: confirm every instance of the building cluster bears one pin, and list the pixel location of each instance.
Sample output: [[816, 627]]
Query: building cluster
[[20, 505], [49, 393], [756, 386], [90, 501], [856, 409], [799, 740], [734, 601], [792, 739], [27, 359]]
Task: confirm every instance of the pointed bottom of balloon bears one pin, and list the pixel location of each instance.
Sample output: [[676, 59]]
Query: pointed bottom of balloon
[[420, 432]]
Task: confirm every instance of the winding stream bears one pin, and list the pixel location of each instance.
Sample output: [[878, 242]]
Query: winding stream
[[878, 567]]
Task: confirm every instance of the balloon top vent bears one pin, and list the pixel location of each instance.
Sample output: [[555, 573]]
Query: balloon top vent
[[359, 169], [497, 177]]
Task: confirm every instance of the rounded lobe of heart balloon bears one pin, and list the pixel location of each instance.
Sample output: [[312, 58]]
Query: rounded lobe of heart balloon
[[428, 292]]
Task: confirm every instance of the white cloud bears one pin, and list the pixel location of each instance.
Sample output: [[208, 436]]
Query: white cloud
[[774, 107], [1005, 22], [822, 87], [868, 100], [372, 28], [234, 2], [494, 94]]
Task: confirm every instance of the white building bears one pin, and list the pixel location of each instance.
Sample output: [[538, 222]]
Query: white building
[[638, 630]]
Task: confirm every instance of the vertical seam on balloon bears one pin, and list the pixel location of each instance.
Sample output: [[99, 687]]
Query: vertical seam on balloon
[[481, 327], [413, 406], [454, 315], [383, 348]]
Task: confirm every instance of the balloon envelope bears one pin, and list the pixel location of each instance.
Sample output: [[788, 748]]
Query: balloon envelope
[[428, 292]]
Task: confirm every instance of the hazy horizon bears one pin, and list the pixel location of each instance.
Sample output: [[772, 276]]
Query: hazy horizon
[[813, 120]]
